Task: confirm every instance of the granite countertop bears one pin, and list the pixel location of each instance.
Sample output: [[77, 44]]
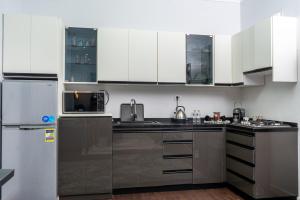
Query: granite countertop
[[153, 124], [5, 175]]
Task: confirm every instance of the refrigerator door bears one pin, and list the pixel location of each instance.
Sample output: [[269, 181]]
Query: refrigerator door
[[34, 161], [29, 102]]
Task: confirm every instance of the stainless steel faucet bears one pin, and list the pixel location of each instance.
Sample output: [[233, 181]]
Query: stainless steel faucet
[[133, 114]]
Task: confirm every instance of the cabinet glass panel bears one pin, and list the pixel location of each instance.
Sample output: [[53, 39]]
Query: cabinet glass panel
[[81, 55], [199, 59]]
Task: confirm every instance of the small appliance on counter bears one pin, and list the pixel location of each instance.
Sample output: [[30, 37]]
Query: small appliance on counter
[[79, 102], [179, 114], [238, 114]]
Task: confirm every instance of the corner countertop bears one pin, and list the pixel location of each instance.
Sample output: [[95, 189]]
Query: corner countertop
[[165, 124], [5, 175], [86, 115]]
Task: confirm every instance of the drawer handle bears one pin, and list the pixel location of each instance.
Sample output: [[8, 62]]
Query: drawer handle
[[178, 141], [179, 171], [178, 156], [240, 145]]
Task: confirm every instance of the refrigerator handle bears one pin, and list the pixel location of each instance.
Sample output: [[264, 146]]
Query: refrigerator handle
[[31, 127]]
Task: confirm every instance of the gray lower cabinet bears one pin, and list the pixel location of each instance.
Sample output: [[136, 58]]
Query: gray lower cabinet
[[208, 157], [84, 156], [263, 164], [137, 159]]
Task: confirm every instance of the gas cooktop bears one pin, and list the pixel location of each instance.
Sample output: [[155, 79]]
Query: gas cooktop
[[263, 124]]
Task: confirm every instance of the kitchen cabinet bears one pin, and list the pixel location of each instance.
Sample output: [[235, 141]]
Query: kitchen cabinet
[[260, 165], [237, 71], [80, 54], [137, 159], [84, 156], [262, 44], [113, 54], [222, 59], [248, 49], [16, 43], [26, 50], [208, 157], [45, 47], [274, 48], [142, 56], [199, 56], [171, 57]]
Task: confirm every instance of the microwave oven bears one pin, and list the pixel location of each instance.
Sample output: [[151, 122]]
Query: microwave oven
[[83, 102]]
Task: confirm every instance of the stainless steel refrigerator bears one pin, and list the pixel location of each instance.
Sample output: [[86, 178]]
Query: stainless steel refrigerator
[[29, 110]]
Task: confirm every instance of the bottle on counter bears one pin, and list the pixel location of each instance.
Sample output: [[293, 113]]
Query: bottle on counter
[[194, 117], [198, 119]]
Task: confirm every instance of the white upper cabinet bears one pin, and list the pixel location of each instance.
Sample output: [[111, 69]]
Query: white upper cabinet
[[31, 44], [248, 49], [263, 44], [171, 57], [113, 46], [275, 48], [222, 59], [45, 44], [237, 71], [16, 43], [142, 56], [285, 67]]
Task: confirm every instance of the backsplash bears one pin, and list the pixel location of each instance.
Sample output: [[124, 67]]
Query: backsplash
[[160, 101]]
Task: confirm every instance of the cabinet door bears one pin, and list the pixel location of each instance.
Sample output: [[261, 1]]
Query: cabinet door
[[45, 46], [248, 49], [113, 55], [237, 71], [137, 159], [199, 56], [171, 57], [263, 44], [98, 151], [71, 148], [142, 56], [126, 156], [209, 157], [16, 43], [222, 52], [150, 159], [285, 49]]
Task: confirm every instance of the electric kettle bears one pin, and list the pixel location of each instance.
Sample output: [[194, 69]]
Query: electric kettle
[[179, 114]]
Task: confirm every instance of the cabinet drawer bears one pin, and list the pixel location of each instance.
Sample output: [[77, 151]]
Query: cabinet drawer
[[177, 149], [240, 168], [177, 136], [240, 183], [241, 139], [240, 152], [175, 177], [170, 163]]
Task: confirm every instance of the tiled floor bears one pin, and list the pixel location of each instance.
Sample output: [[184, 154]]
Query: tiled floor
[[201, 194]]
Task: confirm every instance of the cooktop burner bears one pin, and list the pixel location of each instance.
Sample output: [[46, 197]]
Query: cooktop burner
[[264, 123]]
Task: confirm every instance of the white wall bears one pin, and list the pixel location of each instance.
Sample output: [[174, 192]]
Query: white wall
[[195, 16], [159, 101]]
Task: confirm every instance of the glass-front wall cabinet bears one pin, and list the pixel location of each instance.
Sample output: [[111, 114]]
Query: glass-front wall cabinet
[[81, 55], [199, 55]]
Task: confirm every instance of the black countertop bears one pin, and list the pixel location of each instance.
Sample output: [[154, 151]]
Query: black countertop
[[165, 124], [5, 175]]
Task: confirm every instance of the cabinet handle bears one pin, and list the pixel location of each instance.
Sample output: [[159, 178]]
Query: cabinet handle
[[178, 141], [180, 171], [178, 156]]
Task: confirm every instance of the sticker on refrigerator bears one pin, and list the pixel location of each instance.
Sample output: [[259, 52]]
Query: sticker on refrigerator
[[49, 135]]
